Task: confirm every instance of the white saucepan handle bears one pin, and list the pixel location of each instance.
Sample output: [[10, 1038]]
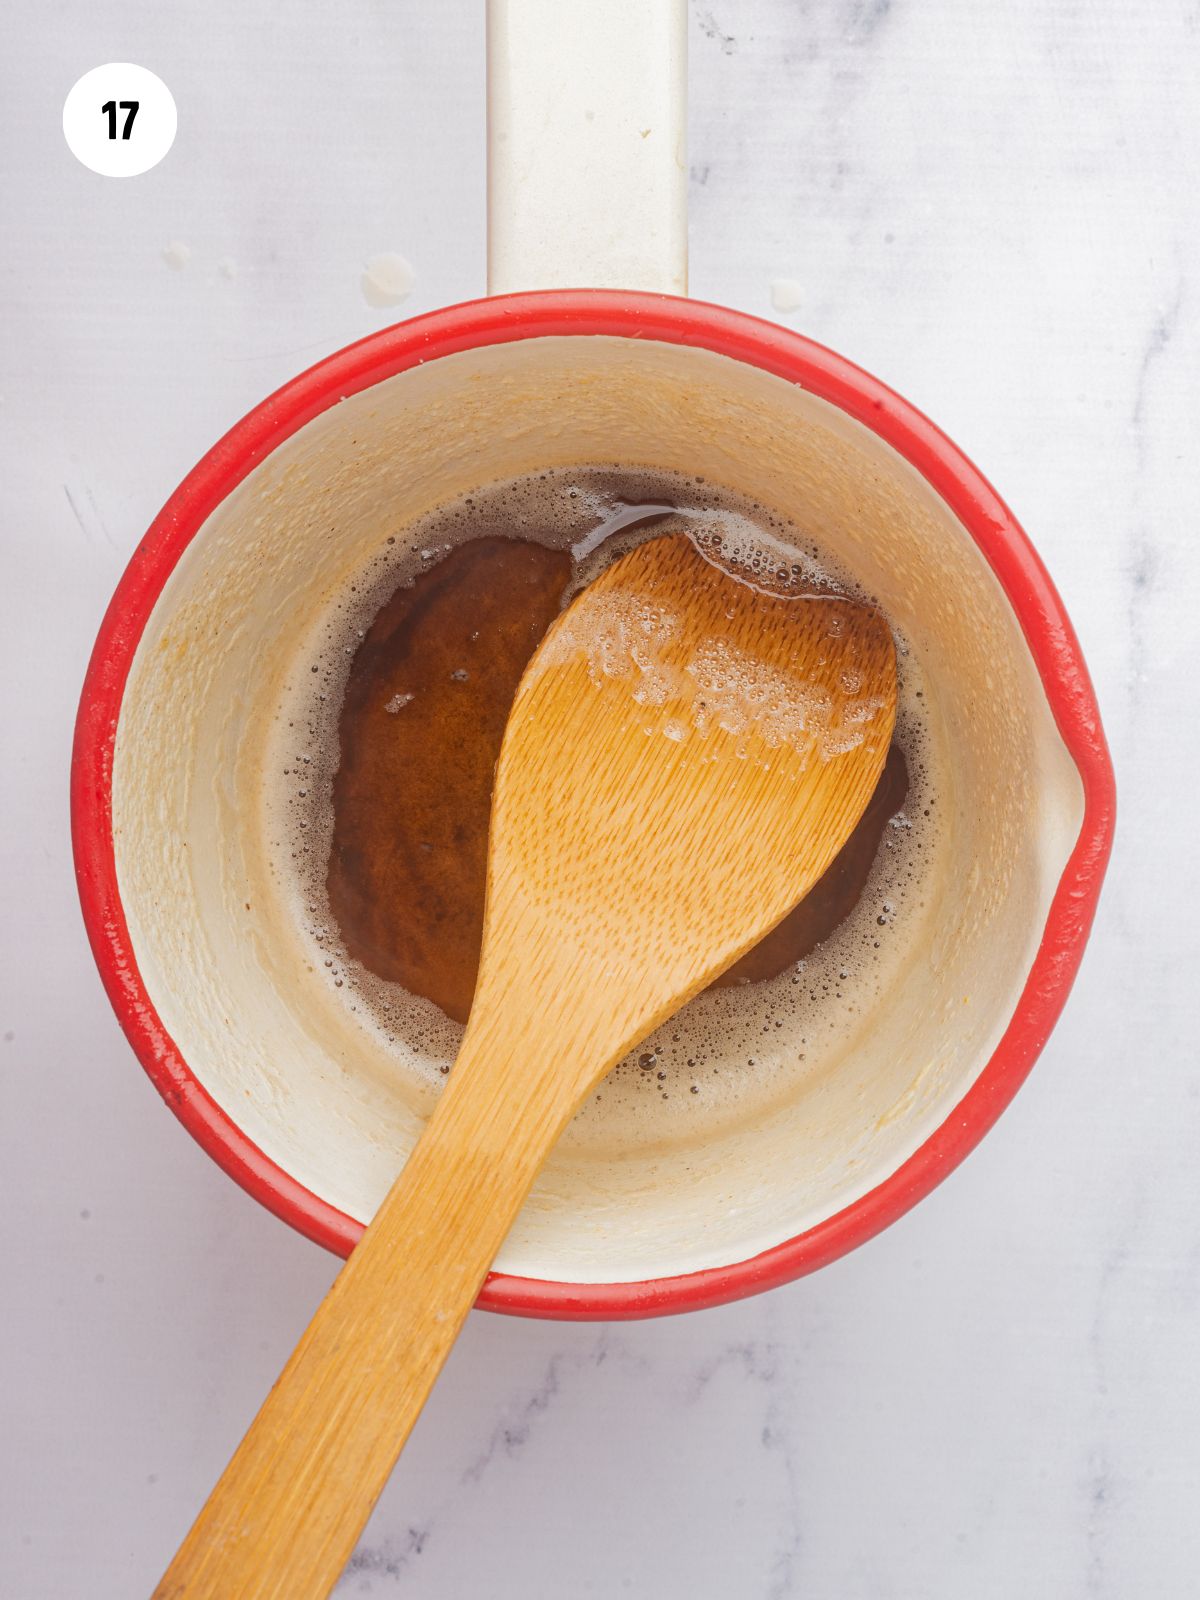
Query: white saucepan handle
[[587, 145]]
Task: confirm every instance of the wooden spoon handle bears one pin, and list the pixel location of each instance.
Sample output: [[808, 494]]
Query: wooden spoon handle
[[287, 1512]]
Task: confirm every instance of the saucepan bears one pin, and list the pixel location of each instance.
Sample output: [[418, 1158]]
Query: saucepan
[[585, 350]]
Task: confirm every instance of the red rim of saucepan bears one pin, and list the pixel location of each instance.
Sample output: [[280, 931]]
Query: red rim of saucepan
[[1047, 629]]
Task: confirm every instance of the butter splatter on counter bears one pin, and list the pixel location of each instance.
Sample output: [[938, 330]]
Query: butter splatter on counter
[[387, 280]]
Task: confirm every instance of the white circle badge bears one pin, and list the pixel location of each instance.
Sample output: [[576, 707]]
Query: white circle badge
[[120, 120]]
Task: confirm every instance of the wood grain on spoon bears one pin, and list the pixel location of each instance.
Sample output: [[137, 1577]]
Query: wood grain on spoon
[[684, 758]]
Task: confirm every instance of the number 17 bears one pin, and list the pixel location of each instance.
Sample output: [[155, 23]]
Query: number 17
[[109, 109]]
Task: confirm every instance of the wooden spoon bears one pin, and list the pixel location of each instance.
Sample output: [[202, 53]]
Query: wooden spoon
[[684, 758]]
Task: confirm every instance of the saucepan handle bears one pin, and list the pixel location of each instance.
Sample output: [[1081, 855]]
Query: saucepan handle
[[587, 145]]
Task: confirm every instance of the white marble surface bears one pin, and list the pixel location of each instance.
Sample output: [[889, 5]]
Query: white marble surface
[[992, 207]]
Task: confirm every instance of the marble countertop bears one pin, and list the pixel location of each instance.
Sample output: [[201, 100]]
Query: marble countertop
[[993, 208]]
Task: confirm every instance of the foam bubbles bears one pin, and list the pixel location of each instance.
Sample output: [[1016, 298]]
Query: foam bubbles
[[733, 1052]]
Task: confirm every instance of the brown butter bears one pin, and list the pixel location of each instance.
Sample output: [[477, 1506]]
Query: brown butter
[[421, 724]]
